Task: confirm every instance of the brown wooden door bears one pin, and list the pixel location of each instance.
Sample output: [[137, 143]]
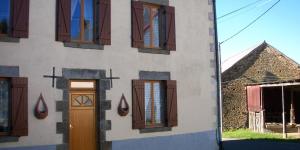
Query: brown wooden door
[[82, 120]]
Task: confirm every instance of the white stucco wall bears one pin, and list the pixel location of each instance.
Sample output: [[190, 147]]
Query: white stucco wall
[[190, 65]]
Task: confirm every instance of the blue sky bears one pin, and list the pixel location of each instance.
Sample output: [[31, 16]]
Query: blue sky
[[280, 27]]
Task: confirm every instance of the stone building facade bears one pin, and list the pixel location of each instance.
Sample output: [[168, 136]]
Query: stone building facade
[[263, 63]]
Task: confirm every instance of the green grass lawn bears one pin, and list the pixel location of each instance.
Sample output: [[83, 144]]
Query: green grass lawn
[[248, 134]]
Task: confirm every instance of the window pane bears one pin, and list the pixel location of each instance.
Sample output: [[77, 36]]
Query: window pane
[[148, 107], [147, 34], [158, 103], [4, 16], [75, 19], [88, 20], [4, 106], [155, 25], [83, 84]]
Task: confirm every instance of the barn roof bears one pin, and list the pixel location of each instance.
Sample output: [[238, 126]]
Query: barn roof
[[277, 83], [231, 61]]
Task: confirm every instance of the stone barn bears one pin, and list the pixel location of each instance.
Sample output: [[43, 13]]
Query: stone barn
[[261, 64]]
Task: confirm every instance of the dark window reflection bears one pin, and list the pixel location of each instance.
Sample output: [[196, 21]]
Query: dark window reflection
[[4, 106], [4, 16]]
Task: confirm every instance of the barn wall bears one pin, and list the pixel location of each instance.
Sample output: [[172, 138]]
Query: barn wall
[[264, 64]]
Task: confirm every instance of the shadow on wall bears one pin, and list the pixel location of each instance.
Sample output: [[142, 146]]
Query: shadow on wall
[[269, 76]]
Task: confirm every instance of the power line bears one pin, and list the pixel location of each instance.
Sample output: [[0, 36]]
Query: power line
[[250, 23], [234, 11]]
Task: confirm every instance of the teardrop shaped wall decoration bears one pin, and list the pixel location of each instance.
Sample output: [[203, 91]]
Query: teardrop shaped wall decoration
[[41, 109], [123, 110]]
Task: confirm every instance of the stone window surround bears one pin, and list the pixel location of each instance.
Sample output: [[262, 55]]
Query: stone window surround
[[150, 50], [84, 45], [9, 71], [153, 75], [102, 105]]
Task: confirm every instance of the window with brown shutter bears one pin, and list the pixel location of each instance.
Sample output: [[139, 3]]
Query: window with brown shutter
[[154, 104], [14, 18], [84, 21], [105, 22], [153, 26], [138, 104], [20, 18], [16, 123], [137, 19], [172, 103], [170, 28], [19, 107], [63, 20]]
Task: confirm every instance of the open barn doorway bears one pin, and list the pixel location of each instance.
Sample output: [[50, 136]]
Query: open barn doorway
[[272, 101], [268, 102]]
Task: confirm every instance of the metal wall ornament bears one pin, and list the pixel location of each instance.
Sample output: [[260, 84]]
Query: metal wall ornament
[[38, 112], [123, 110]]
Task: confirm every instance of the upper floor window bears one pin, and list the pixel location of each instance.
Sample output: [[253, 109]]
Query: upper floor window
[[153, 26], [4, 17], [14, 18], [84, 21]]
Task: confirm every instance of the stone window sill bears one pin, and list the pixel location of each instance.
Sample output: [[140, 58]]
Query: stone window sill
[[84, 45], [5, 139], [154, 51], [9, 39], [156, 129]]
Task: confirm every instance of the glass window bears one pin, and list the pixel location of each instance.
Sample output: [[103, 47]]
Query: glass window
[[154, 103], [147, 38], [148, 106], [83, 84], [151, 26], [4, 16], [4, 105], [155, 24], [82, 20], [88, 20], [82, 100], [75, 19]]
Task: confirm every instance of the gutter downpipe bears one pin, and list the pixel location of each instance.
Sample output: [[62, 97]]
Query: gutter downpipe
[[218, 78]]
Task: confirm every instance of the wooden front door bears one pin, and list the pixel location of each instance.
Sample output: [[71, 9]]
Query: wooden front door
[[82, 125]]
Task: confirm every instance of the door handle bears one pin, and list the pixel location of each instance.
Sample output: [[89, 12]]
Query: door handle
[[71, 126]]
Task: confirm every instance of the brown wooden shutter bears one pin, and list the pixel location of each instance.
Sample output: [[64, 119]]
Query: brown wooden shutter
[[137, 18], [20, 18], [170, 28], [63, 20], [171, 103], [254, 98], [105, 22], [138, 104], [19, 107]]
